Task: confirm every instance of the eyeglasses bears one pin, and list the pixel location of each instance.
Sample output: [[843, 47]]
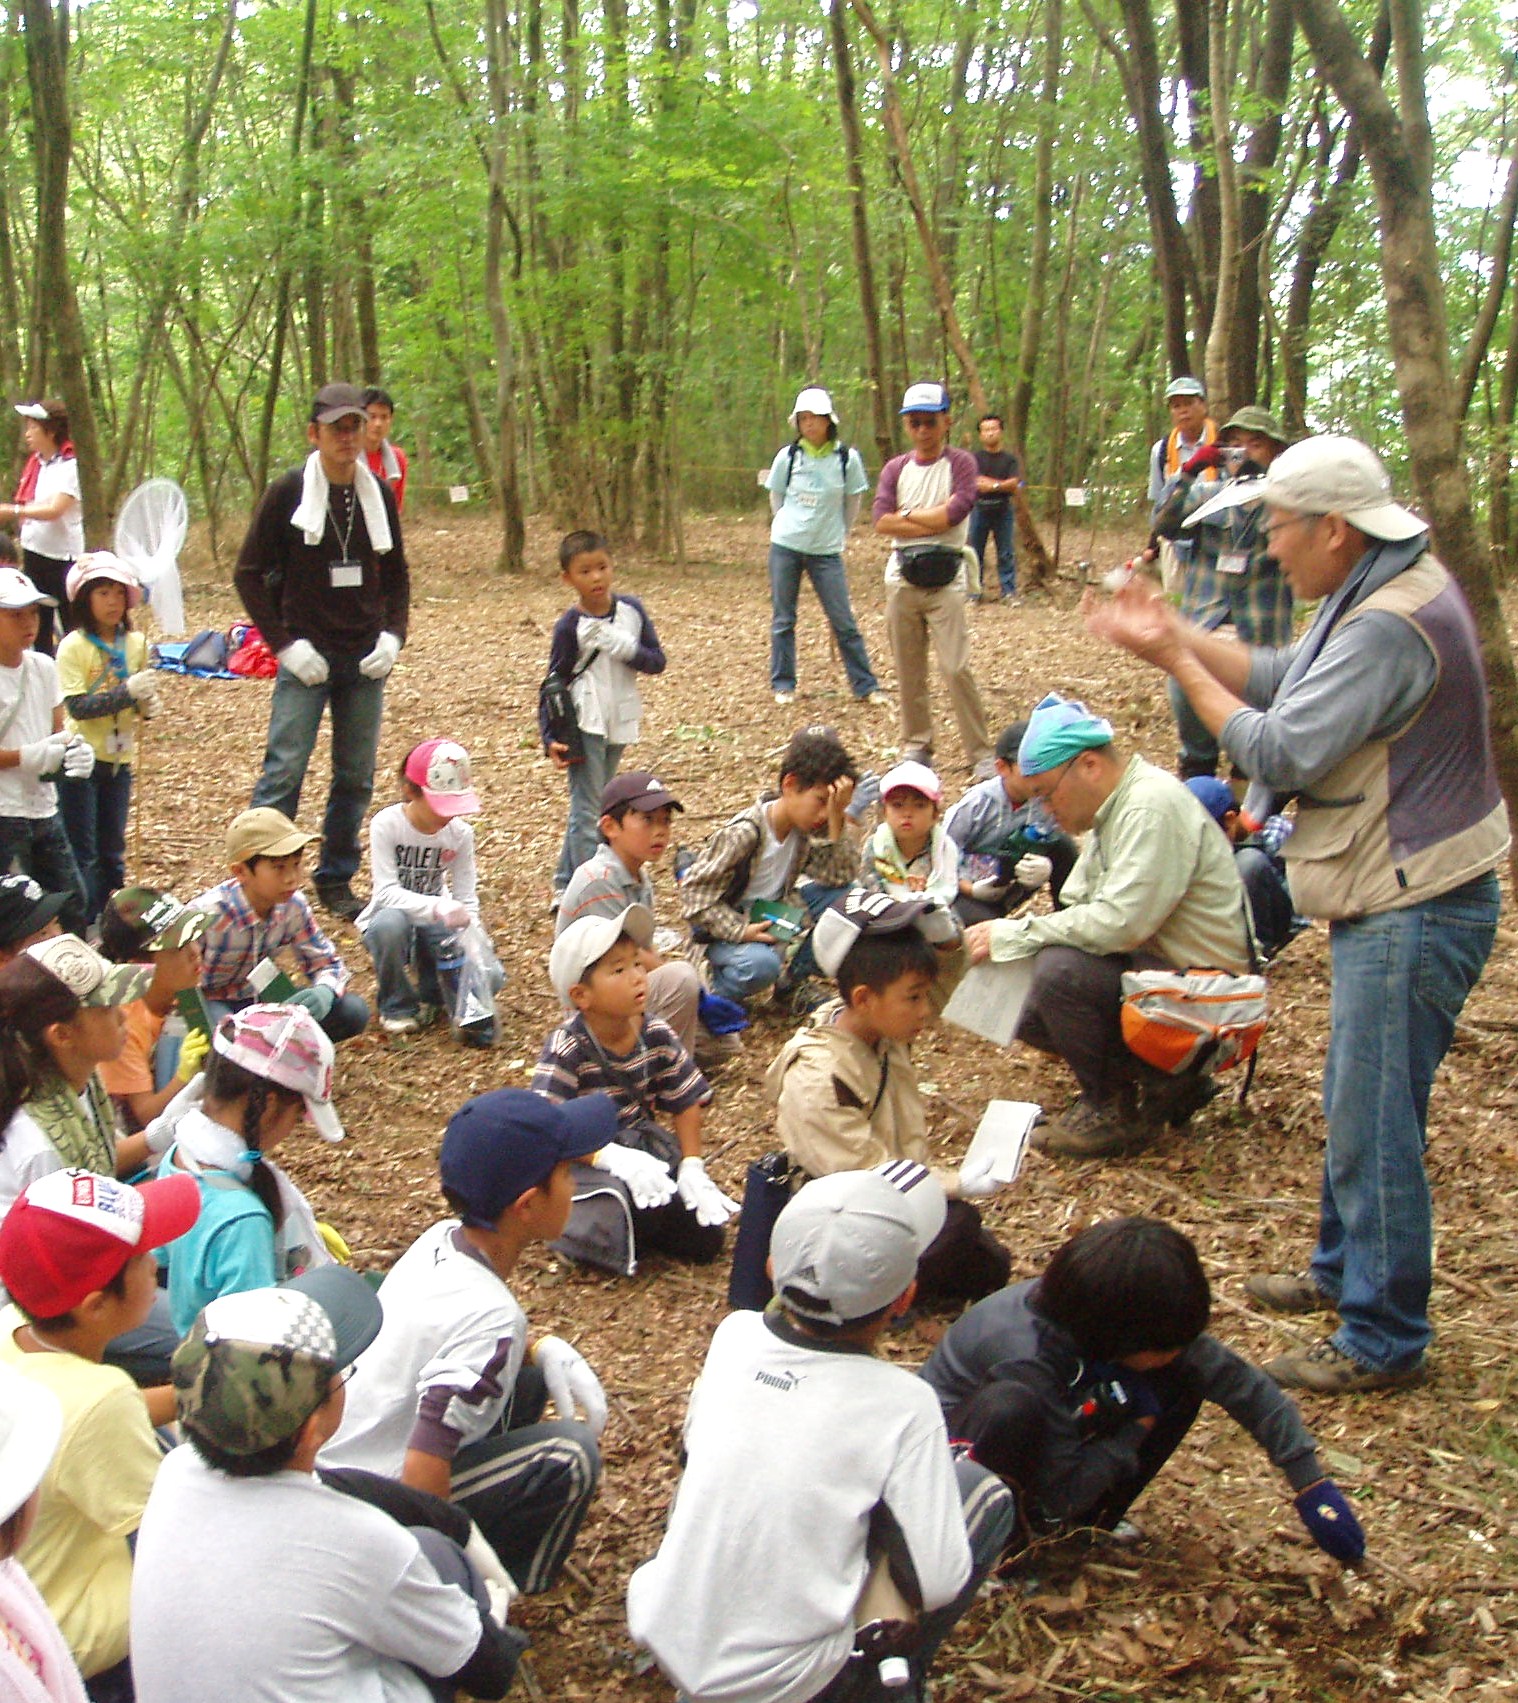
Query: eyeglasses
[[1047, 798], [1281, 525]]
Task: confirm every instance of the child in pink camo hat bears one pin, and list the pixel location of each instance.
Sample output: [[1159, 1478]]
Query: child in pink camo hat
[[269, 1066]]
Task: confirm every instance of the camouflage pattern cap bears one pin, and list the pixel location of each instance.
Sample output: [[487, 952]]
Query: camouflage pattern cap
[[254, 1368]]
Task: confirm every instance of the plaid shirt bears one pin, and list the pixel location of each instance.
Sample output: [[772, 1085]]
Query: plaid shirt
[[834, 863], [1258, 600], [658, 1075], [238, 937]]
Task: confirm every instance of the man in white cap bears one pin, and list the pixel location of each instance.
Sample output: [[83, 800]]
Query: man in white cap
[[816, 484], [1376, 721], [923, 504]]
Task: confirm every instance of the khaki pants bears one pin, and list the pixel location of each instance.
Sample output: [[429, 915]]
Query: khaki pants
[[913, 615]]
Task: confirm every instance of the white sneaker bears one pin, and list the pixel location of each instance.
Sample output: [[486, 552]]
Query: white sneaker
[[877, 697], [410, 1022], [785, 697]]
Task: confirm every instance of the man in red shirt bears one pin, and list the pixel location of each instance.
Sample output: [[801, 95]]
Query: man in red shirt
[[387, 460]]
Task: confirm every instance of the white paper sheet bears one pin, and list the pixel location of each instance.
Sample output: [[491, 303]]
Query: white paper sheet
[[990, 999], [1002, 1137]]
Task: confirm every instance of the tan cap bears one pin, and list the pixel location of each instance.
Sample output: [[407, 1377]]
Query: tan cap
[[264, 833]]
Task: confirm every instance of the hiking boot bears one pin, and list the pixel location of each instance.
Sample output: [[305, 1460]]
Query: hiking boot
[[1289, 1292], [915, 753], [714, 1052], [1089, 1131], [338, 897], [1173, 1101], [1327, 1370]]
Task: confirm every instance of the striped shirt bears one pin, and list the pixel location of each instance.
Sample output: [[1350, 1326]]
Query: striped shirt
[[658, 1075], [238, 938]]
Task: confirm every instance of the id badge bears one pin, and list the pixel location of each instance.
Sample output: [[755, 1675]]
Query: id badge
[[1233, 562], [345, 576], [118, 745]]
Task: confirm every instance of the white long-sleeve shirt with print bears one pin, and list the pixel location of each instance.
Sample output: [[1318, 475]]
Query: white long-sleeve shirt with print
[[415, 872]]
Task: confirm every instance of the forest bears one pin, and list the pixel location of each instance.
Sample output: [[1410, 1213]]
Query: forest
[[594, 246]]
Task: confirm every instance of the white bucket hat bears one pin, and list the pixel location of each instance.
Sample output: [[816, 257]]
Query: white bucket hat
[[31, 1423], [813, 400]]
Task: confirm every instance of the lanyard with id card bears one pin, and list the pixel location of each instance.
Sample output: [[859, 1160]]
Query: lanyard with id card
[[344, 574], [1233, 562]]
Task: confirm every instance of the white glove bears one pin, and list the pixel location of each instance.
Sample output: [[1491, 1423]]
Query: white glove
[[381, 659], [1033, 871], [500, 1587], [938, 925], [702, 1195], [449, 913], [977, 1183], [43, 756], [159, 1133], [570, 1380], [866, 796], [611, 639], [302, 659], [989, 889], [149, 706], [142, 684], [648, 1179], [78, 759]]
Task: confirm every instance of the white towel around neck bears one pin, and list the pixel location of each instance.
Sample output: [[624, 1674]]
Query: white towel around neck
[[311, 512]]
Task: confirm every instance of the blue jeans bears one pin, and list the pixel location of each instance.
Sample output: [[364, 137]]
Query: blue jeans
[[587, 781], [397, 944], [348, 1017], [357, 706], [1399, 981], [38, 846], [832, 587], [997, 524], [94, 813], [1199, 750], [742, 970]]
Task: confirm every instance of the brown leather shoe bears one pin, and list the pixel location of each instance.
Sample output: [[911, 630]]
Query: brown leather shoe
[[1327, 1370], [1088, 1131], [1288, 1292]]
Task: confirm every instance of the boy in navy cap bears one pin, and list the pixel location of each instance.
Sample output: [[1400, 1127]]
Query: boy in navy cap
[[448, 1398], [26, 914]]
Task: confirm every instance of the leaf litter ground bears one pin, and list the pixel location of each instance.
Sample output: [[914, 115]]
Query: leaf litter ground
[[1226, 1596]]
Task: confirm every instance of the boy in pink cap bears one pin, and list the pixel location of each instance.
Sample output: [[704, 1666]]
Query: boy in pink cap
[[76, 1255], [421, 853]]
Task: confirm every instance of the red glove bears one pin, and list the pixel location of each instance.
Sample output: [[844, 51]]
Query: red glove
[[1209, 455]]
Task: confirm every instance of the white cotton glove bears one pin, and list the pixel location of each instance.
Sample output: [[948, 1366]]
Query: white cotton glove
[[866, 796], [449, 913], [381, 659], [1033, 871], [78, 758], [989, 889], [976, 1183], [701, 1195], [570, 1381], [142, 684], [648, 1180], [500, 1587], [938, 925], [149, 705], [43, 756], [159, 1133], [616, 643], [302, 659]]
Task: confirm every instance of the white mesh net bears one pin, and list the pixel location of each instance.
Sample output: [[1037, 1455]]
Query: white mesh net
[[150, 532]]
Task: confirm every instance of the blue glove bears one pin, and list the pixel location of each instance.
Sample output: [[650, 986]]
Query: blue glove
[[720, 1016], [315, 999], [1324, 1509]]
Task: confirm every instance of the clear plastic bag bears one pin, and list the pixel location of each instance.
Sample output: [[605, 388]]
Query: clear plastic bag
[[463, 971]]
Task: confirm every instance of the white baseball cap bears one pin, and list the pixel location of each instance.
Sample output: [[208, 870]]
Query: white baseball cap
[[18, 592], [814, 400], [845, 1246], [1325, 475], [925, 398], [587, 941], [1185, 386], [918, 776]]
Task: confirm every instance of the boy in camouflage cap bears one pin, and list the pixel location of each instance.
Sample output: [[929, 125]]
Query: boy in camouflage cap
[[350, 1603]]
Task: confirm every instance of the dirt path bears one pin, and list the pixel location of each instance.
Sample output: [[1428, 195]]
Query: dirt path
[[1227, 1597]]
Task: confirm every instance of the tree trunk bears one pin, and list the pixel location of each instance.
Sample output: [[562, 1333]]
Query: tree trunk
[[47, 48], [1255, 176], [859, 227], [1399, 149], [513, 526], [1496, 291], [1021, 406], [1220, 398]]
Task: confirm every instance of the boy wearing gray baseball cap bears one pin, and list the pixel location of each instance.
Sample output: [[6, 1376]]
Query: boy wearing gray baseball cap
[[796, 1427]]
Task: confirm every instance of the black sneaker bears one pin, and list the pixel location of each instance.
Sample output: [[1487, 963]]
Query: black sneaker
[[338, 897]]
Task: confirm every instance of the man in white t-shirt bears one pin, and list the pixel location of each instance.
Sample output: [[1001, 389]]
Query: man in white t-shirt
[[923, 503], [253, 1579], [34, 750]]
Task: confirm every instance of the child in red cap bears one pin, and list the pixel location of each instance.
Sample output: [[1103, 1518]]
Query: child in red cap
[[76, 1255]]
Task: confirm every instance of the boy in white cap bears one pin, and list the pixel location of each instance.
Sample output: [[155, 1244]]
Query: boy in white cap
[[35, 750], [649, 1188], [421, 860], [795, 1428], [923, 504], [816, 484], [845, 1090]]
